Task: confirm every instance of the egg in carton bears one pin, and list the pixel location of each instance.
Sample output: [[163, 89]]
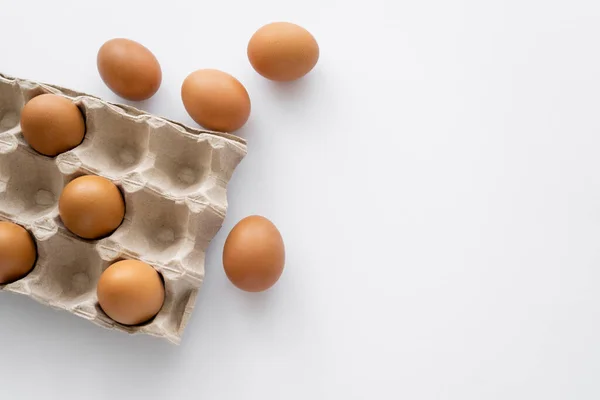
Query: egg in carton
[[173, 179]]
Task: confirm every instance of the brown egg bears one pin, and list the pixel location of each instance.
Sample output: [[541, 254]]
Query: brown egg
[[282, 51], [130, 292], [254, 254], [17, 252], [129, 69], [91, 207], [215, 100], [52, 124]]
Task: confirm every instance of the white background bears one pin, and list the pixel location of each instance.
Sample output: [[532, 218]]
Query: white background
[[436, 180]]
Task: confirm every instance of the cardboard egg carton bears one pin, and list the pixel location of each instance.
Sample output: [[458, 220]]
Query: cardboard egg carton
[[173, 179]]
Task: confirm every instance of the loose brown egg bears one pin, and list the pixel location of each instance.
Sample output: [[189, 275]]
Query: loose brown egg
[[282, 51], [91, 206], [254, 254], [52, 124], [130, 292], [216, 100], [17, 252], [129, 69]]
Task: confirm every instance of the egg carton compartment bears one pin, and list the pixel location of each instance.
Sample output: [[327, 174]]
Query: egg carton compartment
[[66, 271], [163, 232], [173, 178], [11, 104], [155, 230], [113, 146], [169, 323], [30, 186], [180, 166]]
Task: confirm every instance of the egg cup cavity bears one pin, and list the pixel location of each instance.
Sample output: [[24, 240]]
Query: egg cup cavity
[[180, 163], [173, 180], [113, 145], [68, 270], [10, 110], [29, 186], [156, 229]]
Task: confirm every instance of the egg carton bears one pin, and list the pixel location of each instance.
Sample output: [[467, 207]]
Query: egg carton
[[173, 179]]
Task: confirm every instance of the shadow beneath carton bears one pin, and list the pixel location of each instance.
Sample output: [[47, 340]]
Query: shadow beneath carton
[[44, 332]]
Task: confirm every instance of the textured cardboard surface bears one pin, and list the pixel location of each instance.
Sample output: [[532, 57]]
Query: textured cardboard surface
[[174, 181]]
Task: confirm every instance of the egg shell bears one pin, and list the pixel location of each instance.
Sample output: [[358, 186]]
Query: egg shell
[[17, 252], [254, 254], [52, 124], [91, 206], [130, 292], [129, 69], [282, 51], [216, 100]]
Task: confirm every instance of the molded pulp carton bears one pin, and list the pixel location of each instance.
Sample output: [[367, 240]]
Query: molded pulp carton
[[173, 179]]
